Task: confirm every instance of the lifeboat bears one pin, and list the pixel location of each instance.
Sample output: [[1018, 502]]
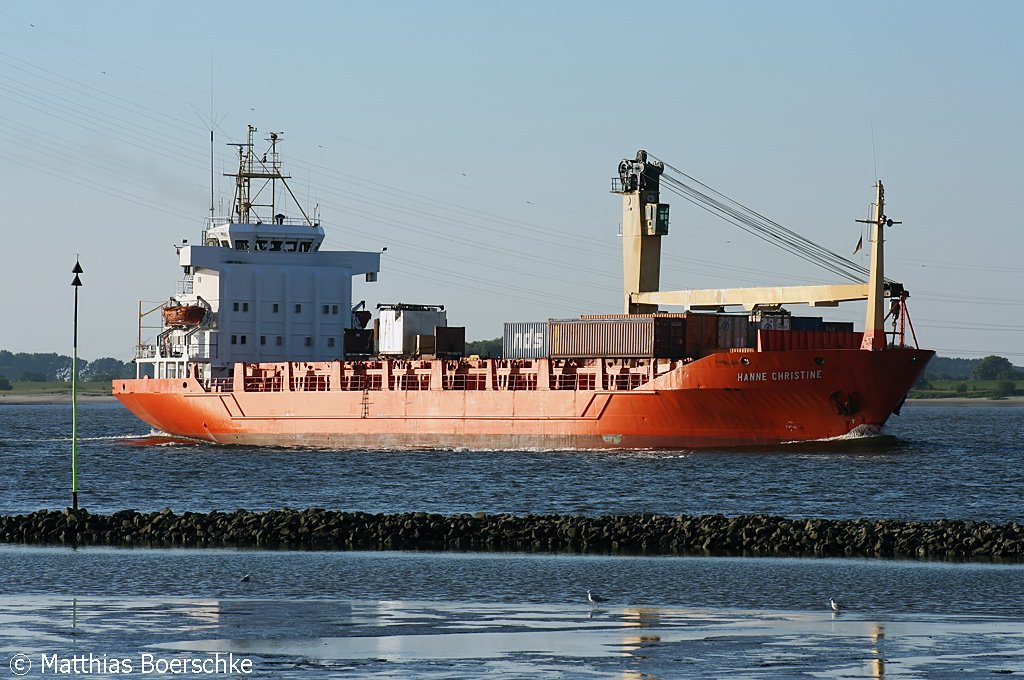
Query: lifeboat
[[184, 315]]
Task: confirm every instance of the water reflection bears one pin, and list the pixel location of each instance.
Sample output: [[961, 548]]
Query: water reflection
[[318, 636]]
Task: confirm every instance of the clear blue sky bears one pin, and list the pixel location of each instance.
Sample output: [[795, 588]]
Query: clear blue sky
[[476, 141]]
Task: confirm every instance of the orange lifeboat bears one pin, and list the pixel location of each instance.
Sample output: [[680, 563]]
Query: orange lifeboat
[[184, 315]]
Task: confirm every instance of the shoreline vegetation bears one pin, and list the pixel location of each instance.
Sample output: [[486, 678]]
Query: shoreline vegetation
[[646, 534]]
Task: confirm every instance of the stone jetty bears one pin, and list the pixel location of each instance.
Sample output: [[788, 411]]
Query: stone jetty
[[647, 534]]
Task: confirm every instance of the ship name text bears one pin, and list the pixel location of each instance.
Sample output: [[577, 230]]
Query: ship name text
[[766, 376]]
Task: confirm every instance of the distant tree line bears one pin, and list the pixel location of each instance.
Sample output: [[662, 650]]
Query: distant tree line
[[988, 368], [32, 367], [490, 349]]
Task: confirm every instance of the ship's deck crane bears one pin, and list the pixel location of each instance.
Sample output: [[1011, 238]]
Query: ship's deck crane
[[645, 221]]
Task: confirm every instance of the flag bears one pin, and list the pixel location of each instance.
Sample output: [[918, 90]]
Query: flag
[[860, 244]]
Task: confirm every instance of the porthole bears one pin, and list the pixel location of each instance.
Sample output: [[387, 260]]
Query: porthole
[[184, 384], [745, 361], [818, 361]]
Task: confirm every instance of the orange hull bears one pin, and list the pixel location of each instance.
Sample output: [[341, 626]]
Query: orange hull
[[725, 399]]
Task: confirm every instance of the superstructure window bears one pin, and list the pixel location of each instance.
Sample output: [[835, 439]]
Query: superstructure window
[[279, 341], [235, 307], [309, 341], [245, 306], [327, 309], [263, 339], [298, 309], [334, 309], [241, 244], [275, 308], [330, 342], [243, 339], [234, 339]]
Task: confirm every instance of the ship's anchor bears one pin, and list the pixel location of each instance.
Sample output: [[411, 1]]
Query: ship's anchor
[[847, 406]]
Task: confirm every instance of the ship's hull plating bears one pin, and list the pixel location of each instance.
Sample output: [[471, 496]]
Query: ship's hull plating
[[727, 399]]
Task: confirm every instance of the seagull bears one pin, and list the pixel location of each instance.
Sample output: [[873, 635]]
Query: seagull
[[245, 579], [594, 598], [835, 605]]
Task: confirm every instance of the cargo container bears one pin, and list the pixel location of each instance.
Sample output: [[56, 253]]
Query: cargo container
[[732, 331], [632, 336], [837, 326], [614, 338], [450, 341], [400, 324], [525, 340], [358, 342], [701, 334], [771, 322], [778, 341], [805, 323]]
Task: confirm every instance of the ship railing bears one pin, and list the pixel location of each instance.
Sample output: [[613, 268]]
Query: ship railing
[[274, 383], [410, 383], [624, 381], [146, 352], [465, 381], [185, 286], [358, 383], [311, 383], [219, 385], [515, 382]]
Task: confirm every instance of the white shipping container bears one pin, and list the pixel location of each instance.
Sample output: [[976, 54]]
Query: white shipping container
[[399, 328]]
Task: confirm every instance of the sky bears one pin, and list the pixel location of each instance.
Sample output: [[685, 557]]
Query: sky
[[476, 141]]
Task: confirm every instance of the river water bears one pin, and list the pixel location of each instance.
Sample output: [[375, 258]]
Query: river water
[[431, 615]]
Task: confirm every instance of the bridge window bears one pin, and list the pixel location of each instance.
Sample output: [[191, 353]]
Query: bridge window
[[241, 244]]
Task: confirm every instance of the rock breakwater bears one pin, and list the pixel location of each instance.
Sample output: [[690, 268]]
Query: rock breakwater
[[319, 529]]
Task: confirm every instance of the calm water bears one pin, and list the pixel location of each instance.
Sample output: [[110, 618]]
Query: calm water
[[955, 462], [428, 615]]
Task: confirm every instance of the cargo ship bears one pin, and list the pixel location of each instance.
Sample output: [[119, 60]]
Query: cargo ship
[[261, 345]]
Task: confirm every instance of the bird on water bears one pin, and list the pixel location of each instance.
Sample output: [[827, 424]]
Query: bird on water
[[594, 598], [245, 579], [835, 605]]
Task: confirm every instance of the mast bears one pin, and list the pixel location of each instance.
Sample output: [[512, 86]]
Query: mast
[[874, 329], [267, 168]]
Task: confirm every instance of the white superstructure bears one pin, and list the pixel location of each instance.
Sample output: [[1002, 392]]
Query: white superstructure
[[259, 288]]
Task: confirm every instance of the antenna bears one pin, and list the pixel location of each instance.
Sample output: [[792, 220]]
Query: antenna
[[874, 156], [212, 175]]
